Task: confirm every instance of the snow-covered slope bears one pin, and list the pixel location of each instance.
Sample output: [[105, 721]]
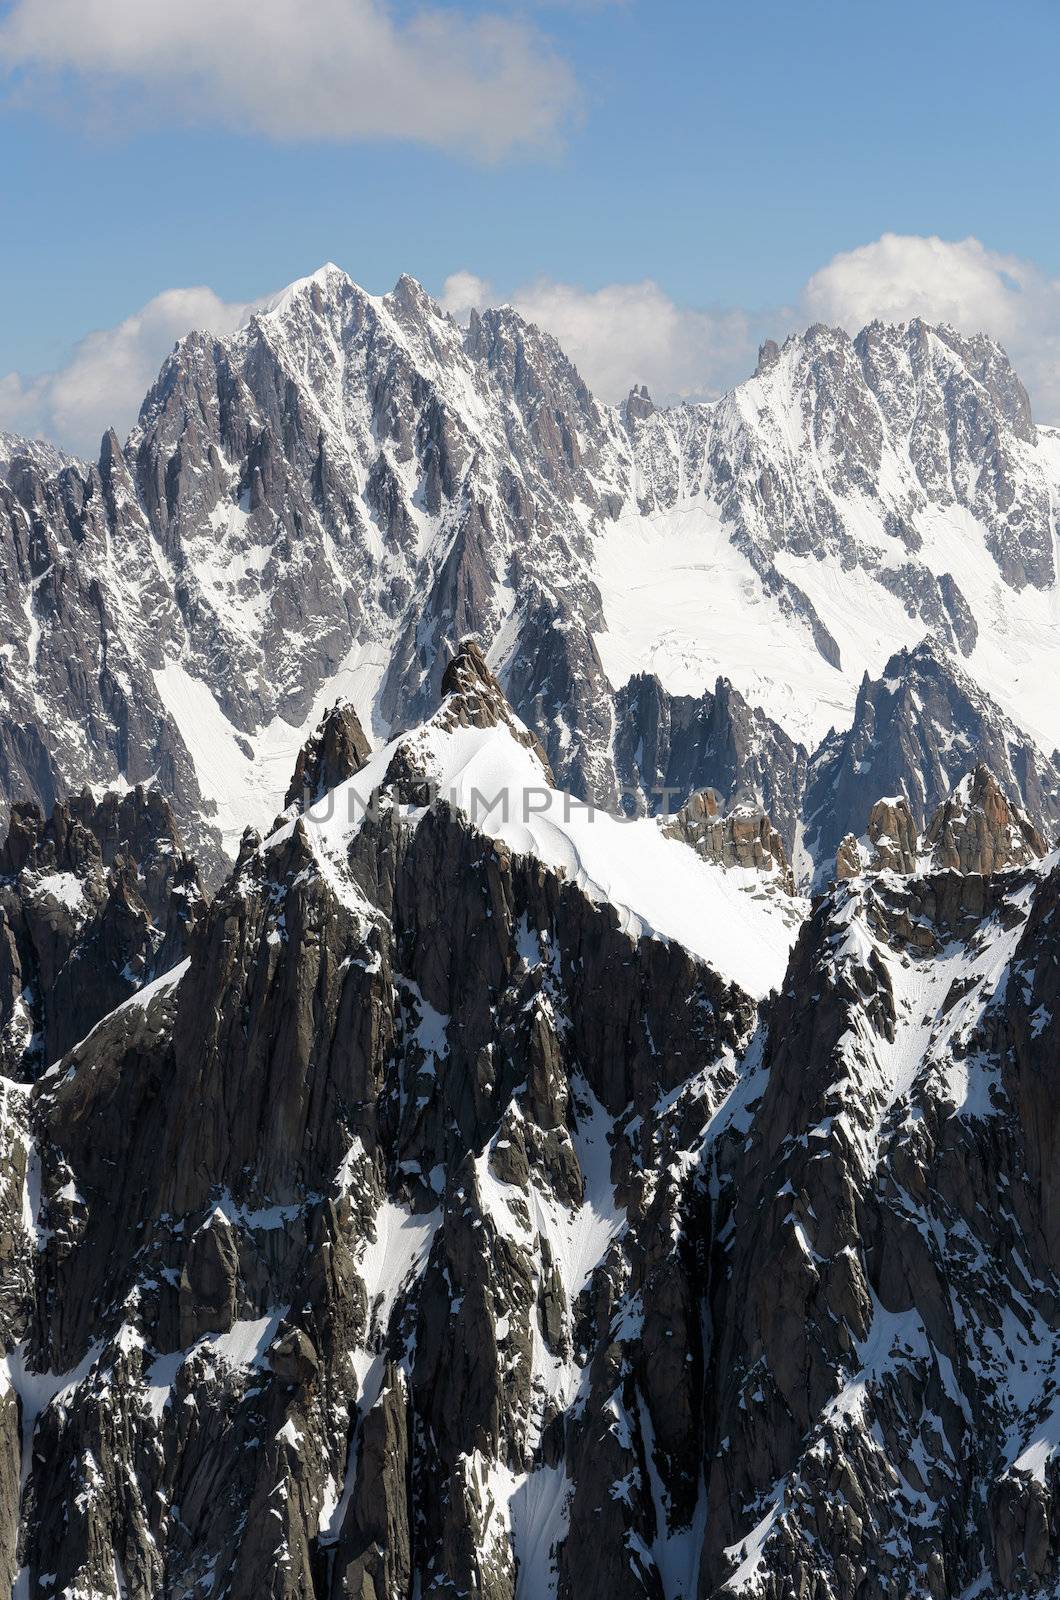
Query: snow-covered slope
[[850, 498], [732, 918]]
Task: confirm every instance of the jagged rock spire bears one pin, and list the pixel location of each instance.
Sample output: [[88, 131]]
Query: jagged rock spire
[[892, 833], [334, 752], [473, 698], [978, 830]]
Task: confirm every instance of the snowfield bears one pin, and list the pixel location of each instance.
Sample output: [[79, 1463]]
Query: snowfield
[[681, 600]]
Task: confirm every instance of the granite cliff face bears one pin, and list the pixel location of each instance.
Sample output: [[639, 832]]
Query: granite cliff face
[[94, 903], [917, 731], [433, 1219]]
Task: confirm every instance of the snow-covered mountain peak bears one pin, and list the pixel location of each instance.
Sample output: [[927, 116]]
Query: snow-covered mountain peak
[[325, 503], [474, 757], [328, 279], [46, 457], [326, 283]]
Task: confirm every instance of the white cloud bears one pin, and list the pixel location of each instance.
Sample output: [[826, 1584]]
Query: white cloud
[[635, 333], [901, 276], [111, 370], [626, 333], [329, 69], [464, 292]]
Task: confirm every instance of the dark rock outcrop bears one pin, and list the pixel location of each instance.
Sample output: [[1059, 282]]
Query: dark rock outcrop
[[861, 1408], [473, 698], [978, 830], [358, 1051], [336, 751], [847, 859], [893, 836], [917, 730], [668, 747], [95, 901]]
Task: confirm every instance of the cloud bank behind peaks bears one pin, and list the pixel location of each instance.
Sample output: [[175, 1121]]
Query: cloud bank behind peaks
[[110, 371], [329, 69], [625, 333], [961, 282], [901, 276], [618, 335], [629, 333]]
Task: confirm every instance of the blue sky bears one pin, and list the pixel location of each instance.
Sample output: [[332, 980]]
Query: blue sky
[[726, 152]]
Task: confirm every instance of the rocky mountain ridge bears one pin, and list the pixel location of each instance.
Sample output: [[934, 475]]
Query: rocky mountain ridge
[[452, 1217], [44, 456], [95, 903], [975, 832]]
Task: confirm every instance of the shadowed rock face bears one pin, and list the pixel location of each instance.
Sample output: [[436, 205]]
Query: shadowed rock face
[[474, 1244], [443, 1054], [852, 1351], [666, 747], [334, 753], [917, 731], [94, 902]]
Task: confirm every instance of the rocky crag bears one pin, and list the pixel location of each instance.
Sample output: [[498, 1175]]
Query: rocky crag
[[94, 903], [479, 1204]]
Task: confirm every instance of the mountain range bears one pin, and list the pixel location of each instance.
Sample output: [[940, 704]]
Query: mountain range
[[325, 504], [529, 975]]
